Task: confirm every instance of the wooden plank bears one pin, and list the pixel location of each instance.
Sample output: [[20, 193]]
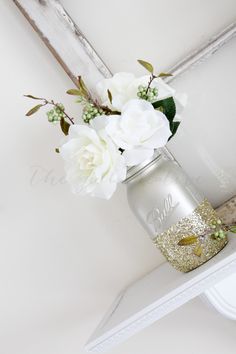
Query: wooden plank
[[202, 53], [64, 39], [227, 211]]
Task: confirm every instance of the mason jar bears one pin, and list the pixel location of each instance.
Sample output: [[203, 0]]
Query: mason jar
[[180, 221]]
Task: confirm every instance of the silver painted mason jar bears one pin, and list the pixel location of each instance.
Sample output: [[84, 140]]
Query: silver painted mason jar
[[179, 220]]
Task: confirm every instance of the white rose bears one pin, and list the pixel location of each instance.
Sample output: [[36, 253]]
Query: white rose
[[124, 87], [93, 163], [118, 85], [138, 130]]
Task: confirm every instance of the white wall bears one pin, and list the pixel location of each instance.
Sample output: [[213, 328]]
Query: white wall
[[63, 259]]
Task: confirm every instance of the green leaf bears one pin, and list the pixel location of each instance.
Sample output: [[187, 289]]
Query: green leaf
[[161, 109], [146, 65], [109, 96], [34, 110], [164, 75], [74, 92], [82, 87], [233, 229], [33, 97], [174, 127], [188, 240], [57, 150], [168, 107], [64, 126]]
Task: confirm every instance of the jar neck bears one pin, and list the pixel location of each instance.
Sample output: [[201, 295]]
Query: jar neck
[[137, 170]]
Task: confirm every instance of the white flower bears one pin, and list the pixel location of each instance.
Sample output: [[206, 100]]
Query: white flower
[[124, 87], [138, 130], [118, 85], [93, 163]]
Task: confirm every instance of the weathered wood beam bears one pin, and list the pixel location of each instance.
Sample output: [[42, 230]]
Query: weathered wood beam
[[204, 52], [64, 39], [227, 211]]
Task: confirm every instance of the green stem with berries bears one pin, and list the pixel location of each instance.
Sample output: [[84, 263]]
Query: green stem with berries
[[45, 103], [56, 105]]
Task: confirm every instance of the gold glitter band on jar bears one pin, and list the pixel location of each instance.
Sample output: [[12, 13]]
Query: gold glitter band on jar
[[191, 242]]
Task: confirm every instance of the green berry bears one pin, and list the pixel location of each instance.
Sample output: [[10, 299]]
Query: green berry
[[90, 112]]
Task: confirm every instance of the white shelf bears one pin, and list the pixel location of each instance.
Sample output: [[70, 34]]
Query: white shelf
[[158, 293], [222, 297]]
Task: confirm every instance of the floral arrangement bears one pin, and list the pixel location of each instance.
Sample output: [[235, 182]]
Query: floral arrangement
[[123, 125]]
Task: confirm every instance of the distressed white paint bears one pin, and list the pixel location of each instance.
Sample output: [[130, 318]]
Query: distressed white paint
[[64, 39], [202, 53]]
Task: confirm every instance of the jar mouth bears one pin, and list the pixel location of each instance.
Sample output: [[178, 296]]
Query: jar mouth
[[135, 170]]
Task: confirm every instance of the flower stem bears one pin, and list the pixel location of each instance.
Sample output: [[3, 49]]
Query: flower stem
[[152, 77]]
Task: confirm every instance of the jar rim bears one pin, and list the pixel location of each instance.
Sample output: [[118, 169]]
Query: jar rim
[[136, 170]]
